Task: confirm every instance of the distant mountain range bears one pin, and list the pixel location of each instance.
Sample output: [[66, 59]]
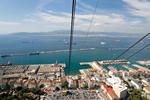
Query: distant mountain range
[[79, 33]]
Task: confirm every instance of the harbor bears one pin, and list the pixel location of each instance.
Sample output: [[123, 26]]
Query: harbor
[[42, 52], [146, 63], [101, 64], [140, 67], [127, 67], [53, 70]]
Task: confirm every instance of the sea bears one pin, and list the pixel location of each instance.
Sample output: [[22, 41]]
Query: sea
[[105, 48]]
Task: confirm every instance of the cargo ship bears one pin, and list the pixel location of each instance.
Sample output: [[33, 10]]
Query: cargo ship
[[34, 53], [4, 56]]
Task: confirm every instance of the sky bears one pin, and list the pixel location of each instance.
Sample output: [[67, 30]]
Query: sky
[[124, 16]]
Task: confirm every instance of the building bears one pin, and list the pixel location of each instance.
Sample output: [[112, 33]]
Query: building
[[109, 91], [16, 69], [32, 69], [88, 72], [146, 82], [147, 92], [70, 83], [51, 71], [73, 82], [95, 65], [135, 84], [125, 75], [118, 86]]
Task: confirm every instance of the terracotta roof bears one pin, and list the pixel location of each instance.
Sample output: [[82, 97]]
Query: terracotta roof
[[110, 91], [146, 89]]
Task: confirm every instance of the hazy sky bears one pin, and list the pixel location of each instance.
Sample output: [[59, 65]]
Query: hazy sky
[[127, 16]]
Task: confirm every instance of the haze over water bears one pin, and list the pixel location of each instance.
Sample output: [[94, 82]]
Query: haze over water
[[105, 48]]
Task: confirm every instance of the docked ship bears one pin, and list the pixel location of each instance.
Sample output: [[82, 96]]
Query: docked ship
[[4, 56], [34, 53]]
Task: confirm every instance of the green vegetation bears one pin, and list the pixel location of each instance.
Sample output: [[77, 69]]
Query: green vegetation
[[85, 86], [8, 92], [146, 75], [136, 76], [136, 95], [139, 75], [64, 84], [57, 89], [67, 93], [42, 86], [5, 87]]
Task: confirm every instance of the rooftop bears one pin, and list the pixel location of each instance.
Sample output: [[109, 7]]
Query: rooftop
[[146, 89], [117, 83], [110, 90]]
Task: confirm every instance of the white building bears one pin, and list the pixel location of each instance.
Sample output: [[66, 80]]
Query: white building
[[96, 66], [70, 83], [118, 86], [136, 84], [146, 82]]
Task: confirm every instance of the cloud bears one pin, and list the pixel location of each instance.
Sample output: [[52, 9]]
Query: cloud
[[84, 7], [81, 19], [53, 19], [3, 23], [50, 21], [6, 26], [110, 23], [139, 8], [42, 4], [102, 23]]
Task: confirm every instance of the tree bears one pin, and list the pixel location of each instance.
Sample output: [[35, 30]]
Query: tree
[[7, 87], [42, 86], [19, 88], [64, 84], [136, 95], [85, 86], [37, 91], [20, 93], [57, 89]]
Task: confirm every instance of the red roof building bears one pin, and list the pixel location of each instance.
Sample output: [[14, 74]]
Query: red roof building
[[109, 92]]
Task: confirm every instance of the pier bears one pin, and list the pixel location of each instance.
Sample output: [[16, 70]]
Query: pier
[[127, 67], [85, 63], [97, 64], [140, 67], [94, 64], [42, 52], [107, 62], [112, 68], [146, 63]]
